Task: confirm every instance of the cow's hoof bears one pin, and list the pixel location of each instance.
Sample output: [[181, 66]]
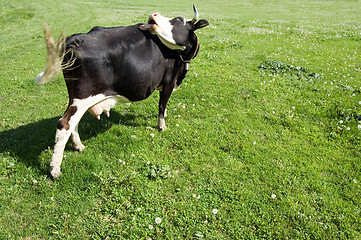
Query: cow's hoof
[[161, 124], [79, 147], [162, 128], [55, 173]]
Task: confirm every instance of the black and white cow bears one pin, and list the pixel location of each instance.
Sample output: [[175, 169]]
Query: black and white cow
[[118, 64]]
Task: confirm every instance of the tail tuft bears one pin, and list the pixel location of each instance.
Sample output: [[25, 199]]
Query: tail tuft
[[38, 79], [55, 56]]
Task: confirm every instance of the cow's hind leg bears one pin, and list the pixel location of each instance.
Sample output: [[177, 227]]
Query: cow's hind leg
[[67, 126], [75, 138]]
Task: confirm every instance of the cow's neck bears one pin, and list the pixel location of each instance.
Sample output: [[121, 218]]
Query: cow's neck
[[191, 51]]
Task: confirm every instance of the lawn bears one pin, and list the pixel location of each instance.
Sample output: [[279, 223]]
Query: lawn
[[263, 138]]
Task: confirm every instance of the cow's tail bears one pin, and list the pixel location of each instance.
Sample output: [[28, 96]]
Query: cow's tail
[[56, 53]]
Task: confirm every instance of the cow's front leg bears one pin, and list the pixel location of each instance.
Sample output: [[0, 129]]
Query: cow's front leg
[[163, 100]]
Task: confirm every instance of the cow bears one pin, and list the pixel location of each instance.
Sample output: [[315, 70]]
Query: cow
[[124, 64]]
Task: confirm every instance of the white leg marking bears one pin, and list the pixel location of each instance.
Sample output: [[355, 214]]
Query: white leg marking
[[62, 135], [176, 87], [61, 138], [161, 124], [75, 138]]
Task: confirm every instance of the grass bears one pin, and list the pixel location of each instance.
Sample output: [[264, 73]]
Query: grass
[[265, 129]]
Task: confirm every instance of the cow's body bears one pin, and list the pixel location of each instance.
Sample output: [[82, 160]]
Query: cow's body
[[123, 61], [119, 64]]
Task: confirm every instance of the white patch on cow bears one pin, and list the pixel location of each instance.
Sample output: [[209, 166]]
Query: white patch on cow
[[176, 87], [75, 138], [106, 105], [161, 124], [38, 78], [62, 135], [60, 141], [163, 30]]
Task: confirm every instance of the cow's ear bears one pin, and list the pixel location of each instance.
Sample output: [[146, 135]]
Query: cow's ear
[[200, 24]]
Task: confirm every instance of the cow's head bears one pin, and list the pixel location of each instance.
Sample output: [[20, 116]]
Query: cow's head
[[174, 32]]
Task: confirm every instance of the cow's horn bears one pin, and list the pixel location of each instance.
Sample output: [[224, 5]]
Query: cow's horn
[[195, 18]]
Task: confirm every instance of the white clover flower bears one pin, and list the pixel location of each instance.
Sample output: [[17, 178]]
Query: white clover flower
[[11, 164], [152, 134], [158, 220], [354, 181], [214, 211], [359, 127], [150, 227], [341, 121], [35, 182], [273, 196]]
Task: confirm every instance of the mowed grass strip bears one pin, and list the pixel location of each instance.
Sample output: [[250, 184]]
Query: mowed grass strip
[[263, 137]]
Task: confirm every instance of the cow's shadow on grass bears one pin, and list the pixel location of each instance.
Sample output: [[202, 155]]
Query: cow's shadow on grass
[[27, 142]]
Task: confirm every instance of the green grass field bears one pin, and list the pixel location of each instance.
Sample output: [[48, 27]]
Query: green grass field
[[263, 138]]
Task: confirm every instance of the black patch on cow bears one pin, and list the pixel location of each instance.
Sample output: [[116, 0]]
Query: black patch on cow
[[180, 30], [63, 122]]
